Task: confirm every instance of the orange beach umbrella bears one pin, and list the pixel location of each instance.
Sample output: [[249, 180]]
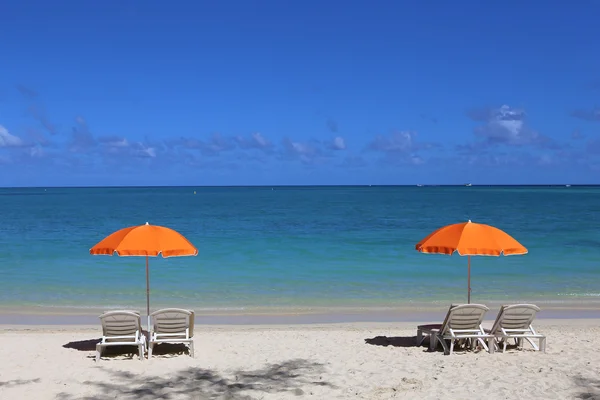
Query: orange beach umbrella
[[146, 241], [470, 239]]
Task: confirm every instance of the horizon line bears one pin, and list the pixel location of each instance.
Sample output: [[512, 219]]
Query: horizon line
[[304, 185]]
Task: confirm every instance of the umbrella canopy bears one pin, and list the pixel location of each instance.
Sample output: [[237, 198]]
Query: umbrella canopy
[[470, 239], [146, 241]]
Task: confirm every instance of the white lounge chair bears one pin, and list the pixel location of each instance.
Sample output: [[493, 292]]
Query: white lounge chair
[[462, 322], [514, 322], [172, 325], [121, 328]]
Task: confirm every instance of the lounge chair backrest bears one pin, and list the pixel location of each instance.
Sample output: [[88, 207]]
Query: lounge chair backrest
[[464, 316], [132, 311], [121, 323], [516, 316], [173, 320]]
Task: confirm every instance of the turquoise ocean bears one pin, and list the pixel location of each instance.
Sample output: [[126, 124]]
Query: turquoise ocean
[[296, 247]]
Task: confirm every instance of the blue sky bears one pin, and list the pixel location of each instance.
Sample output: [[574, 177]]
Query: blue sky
[[302, 92]]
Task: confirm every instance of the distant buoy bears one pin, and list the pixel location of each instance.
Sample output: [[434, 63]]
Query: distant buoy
[[194, 192]]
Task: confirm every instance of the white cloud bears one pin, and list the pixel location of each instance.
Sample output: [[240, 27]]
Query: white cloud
[[260, 140], [36, 151], [8, 140], [507, 125], [141, 150], [339, 143], [307, 153], [302, 149], [256, 141], [416, 160], [117, 143], [397, 142], [218, 143], [508, 119], [149, 151]]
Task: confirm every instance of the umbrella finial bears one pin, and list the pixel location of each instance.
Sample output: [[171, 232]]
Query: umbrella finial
[[469, 221], [149, 224]]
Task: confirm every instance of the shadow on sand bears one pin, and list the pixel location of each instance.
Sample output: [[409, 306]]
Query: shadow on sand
[[589, 388], [17, 382], [398, 341], [159, 350], [293, 377], [83, 345], [411, 341]]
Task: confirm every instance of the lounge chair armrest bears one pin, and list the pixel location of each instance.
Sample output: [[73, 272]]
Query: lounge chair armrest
[[466, 336], [462, 332], [136, 337], [120, 343], [170, 334], [523, 335]]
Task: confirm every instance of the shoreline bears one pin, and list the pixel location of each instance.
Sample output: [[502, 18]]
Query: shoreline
[[70, 316], [575, 322]]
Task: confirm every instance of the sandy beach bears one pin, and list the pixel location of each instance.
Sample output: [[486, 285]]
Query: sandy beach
[[321, 361]]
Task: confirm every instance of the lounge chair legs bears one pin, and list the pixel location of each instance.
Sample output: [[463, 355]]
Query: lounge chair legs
[[427, 331], [98, 352], [433, 342], [532, 343], [502, 342], [434, 339], [192, 349], [543, 344], [491, 345]]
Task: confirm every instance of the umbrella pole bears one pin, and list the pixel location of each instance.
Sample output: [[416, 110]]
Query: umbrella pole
[[148, 293], [469, 282]]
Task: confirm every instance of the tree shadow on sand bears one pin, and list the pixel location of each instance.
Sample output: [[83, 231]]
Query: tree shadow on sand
[[16, 382], [590, 388], [198, 383]]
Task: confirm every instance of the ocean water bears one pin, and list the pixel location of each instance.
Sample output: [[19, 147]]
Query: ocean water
[[299, 247]]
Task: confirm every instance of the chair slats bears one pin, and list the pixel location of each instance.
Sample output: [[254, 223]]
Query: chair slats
[[172, 325], [119, 327], [463, 322], [514, 321]]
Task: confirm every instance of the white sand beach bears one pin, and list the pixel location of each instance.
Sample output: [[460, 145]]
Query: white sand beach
[[325, 361]]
